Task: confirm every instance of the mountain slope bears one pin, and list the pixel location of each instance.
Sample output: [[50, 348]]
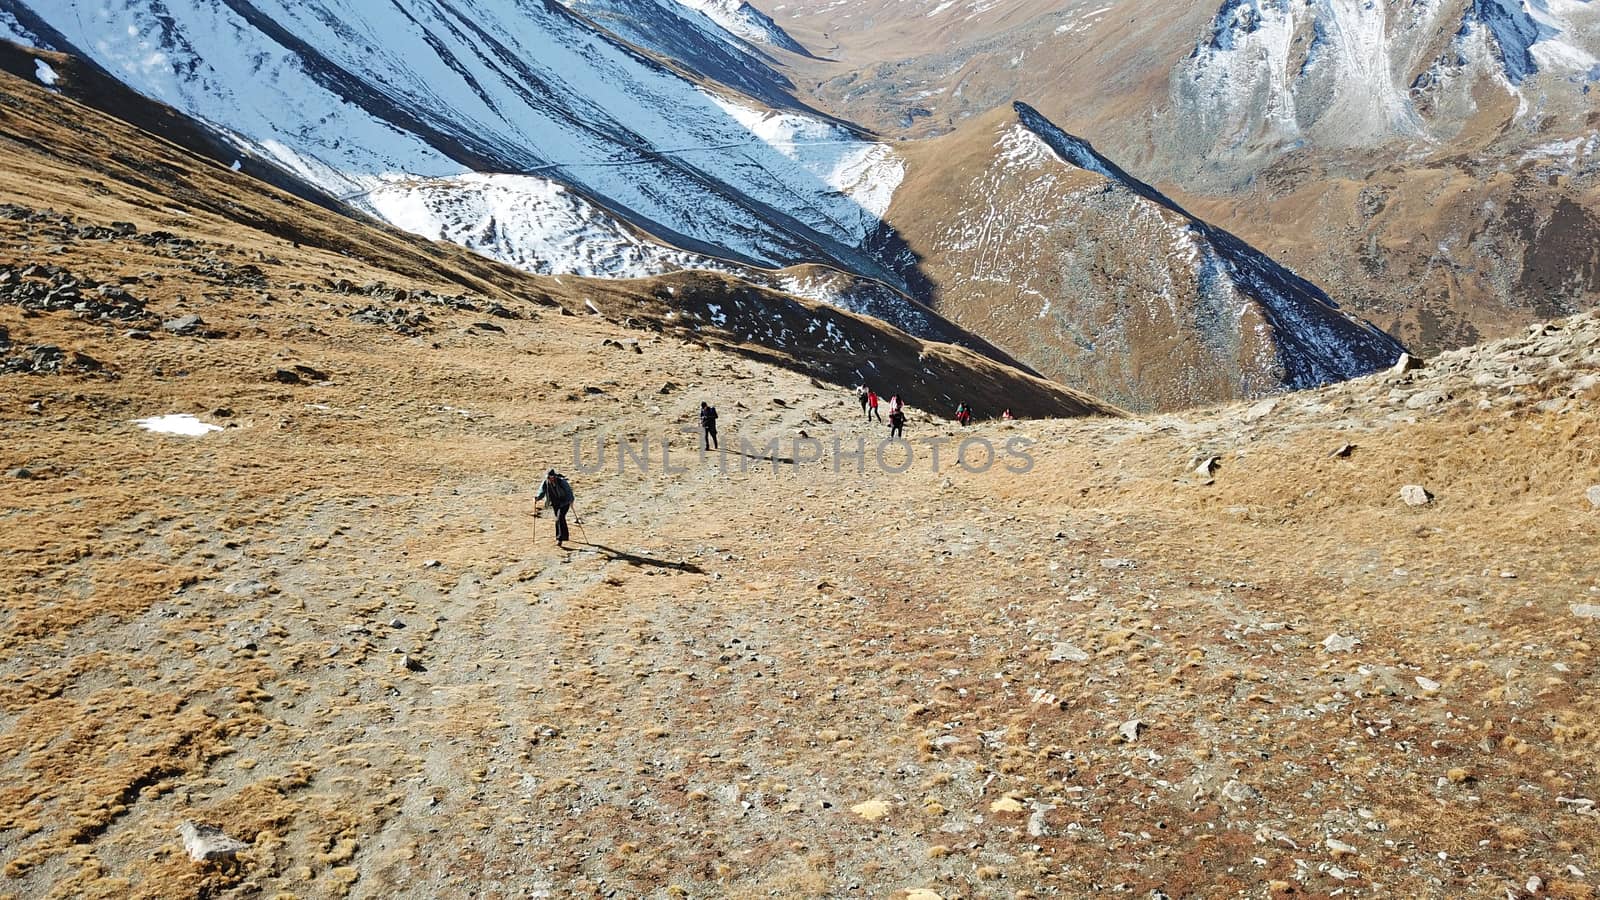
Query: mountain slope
[[331, 627], [1424, 161], [1093, 277], [357, 98], [56, 145]]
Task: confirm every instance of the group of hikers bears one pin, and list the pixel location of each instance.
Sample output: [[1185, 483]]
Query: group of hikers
[[557, 495], [869, 410]]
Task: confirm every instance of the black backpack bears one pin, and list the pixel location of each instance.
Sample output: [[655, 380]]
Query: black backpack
[[558, 492]]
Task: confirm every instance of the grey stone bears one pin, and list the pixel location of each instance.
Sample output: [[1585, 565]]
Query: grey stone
[[1594, 496], [1406, 363], [183, 324], [1338, 643], [1239, 792], [1424, 399], [412, 664], [1260, 410], [1116, 563], [1064, 652], [1415, 495], [207, 843], [21, 472], [1586, 610], [1131, 729]]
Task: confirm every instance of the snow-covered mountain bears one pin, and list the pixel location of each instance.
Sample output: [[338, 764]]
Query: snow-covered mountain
[[1097, 279], [710, 40], [1357, 73], [371, 102], [626, 138]]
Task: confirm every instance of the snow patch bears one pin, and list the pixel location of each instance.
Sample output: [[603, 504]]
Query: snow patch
[[46, 75], [177, 423]]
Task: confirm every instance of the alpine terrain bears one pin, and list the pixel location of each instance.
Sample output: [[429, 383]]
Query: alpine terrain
[[1177, 574]]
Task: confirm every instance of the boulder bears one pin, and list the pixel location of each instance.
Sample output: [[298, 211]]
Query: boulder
[[183, 324], [1415, 495], [1406, 363], [207, 843]]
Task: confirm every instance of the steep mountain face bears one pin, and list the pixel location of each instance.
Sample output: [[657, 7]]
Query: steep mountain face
[[1095, 278], [368, 100], [1273, 75], [711, 40]]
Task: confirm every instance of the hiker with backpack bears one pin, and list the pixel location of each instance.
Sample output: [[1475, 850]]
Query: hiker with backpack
[[861, 397], [708, 426], [897, 422], [556, 492]]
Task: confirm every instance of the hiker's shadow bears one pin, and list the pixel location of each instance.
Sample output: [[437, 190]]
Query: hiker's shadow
[[634, 559]]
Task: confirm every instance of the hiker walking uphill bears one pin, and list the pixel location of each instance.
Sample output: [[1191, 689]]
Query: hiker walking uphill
[[897, 422], [708, 426], [963, 414], [872, 406], [556, 493], [861, 397]]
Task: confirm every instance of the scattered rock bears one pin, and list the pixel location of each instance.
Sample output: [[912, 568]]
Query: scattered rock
[[1424, 399], [1116, 563], [1064, 652], [138, 334], [1131, 729], [22, 473], [1427, 684], [1036, 822], [286, 376], [1415, 495], [1343, 452], [184, 325], [412, 664], [247, 588], [1238, 792], [431, 564], [1260, 410], [668, 388], [1406, 363], [1586, 610], [1594, 496], [207, 843], [1338, 643], [1340, 849], [396, 623], [1208, 466]]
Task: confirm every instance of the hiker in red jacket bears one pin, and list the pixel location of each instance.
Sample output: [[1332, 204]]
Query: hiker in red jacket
[[872, 406]]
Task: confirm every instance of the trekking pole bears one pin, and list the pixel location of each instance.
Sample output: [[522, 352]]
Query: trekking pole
[[578, 521]]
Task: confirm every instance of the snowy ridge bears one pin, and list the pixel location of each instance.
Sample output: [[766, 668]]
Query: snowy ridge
[[1242, 304], [694, 40], [749, 23], [1532, 36], [352, 96]]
